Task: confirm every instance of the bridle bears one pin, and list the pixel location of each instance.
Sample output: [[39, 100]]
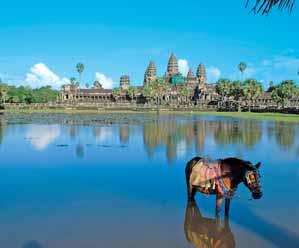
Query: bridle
[[252, 180]]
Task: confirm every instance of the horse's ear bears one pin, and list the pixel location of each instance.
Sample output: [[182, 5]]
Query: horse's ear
[[258, 165]]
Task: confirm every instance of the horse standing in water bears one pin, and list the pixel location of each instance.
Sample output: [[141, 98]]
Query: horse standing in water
[[222, 179]]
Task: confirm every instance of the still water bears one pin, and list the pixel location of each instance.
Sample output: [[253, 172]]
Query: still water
[[117, 180]]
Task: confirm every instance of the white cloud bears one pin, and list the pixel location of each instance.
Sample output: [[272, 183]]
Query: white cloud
[[277, 69], [103, 134], [181, 149], [106, 82], [213, 74], [41, 75], [183, 66], [286, 63], [41, 136]]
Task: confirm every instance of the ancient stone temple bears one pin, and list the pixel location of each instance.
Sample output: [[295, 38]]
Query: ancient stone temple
[[74, 94], [150, 73], [196, 85], [124, 82], [200, 94]]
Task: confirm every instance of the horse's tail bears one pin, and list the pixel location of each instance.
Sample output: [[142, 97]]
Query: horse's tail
[[189, 166]]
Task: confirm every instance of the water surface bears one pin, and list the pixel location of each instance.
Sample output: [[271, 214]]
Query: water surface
[[117, 180]]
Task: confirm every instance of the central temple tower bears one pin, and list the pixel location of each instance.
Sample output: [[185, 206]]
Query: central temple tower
[[172, 67], [172, 75]]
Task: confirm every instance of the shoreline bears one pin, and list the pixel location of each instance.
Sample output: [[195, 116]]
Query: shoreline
[[270, 116]]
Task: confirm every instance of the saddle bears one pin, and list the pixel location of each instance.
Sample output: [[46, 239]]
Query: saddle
[[204, 175]]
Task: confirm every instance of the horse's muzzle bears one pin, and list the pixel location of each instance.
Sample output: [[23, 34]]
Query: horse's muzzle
[[257, 195]]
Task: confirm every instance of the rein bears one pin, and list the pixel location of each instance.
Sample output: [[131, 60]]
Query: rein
[[225, 191]]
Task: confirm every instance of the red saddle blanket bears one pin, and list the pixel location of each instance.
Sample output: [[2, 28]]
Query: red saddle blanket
[[206, 176]]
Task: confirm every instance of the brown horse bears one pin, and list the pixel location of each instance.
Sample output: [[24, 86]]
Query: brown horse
[[201, 231], [222, 178]]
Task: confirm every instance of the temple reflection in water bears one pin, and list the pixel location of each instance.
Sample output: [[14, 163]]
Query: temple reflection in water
[[245, 134], [167, 132]]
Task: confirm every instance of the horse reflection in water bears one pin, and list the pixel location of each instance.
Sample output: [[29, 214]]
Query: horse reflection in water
[[204, 232], [222, 178]]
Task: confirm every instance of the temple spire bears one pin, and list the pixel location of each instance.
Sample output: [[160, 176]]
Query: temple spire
[[172, 67], [150, 73], [190, 74], [201, 74]]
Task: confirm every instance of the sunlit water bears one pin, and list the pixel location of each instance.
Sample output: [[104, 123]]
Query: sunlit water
[[115, 180]]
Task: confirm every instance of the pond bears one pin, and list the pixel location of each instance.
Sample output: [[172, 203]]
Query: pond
[[117, 180]]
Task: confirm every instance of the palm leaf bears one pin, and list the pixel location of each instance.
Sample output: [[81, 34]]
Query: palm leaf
[[265, 6]]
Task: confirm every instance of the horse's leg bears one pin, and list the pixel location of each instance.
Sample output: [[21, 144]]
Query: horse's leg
[[226, 223], [195, 211], [218, 204], [191, 193], [227, 205]]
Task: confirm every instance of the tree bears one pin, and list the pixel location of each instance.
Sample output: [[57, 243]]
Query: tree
[[252, 90], [271, 87], [132, 92], [147, 91], [242, 67], [156, 89], [74, 82], [80, 69], [21, 94], [285, 135], [265, 6], [74, 85], [116, 92], [3, 91], [284, 92], [237, 92], [183, 91], [87, 85], [224, 88]]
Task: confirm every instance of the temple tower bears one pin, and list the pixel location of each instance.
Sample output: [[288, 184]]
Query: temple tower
[[190, 74], [191, 81], [97, 85], [124, 82], [172, 67], [201, 74], [150, 73]]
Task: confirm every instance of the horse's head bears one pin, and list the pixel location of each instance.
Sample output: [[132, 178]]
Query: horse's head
[[252, 181]]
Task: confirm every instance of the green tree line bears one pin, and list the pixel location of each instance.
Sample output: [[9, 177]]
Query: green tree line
[[251, 89], [25, 94]]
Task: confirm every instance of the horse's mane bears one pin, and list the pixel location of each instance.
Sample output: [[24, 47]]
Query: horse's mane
[[238, 162]]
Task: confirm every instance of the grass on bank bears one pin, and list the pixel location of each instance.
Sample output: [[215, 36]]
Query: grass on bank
[[248, 115], [257, 116]]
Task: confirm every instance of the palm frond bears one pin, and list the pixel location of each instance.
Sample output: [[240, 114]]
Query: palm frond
[[265, 6]]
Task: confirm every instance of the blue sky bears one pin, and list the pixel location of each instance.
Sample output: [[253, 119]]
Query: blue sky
[[41, 42]]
